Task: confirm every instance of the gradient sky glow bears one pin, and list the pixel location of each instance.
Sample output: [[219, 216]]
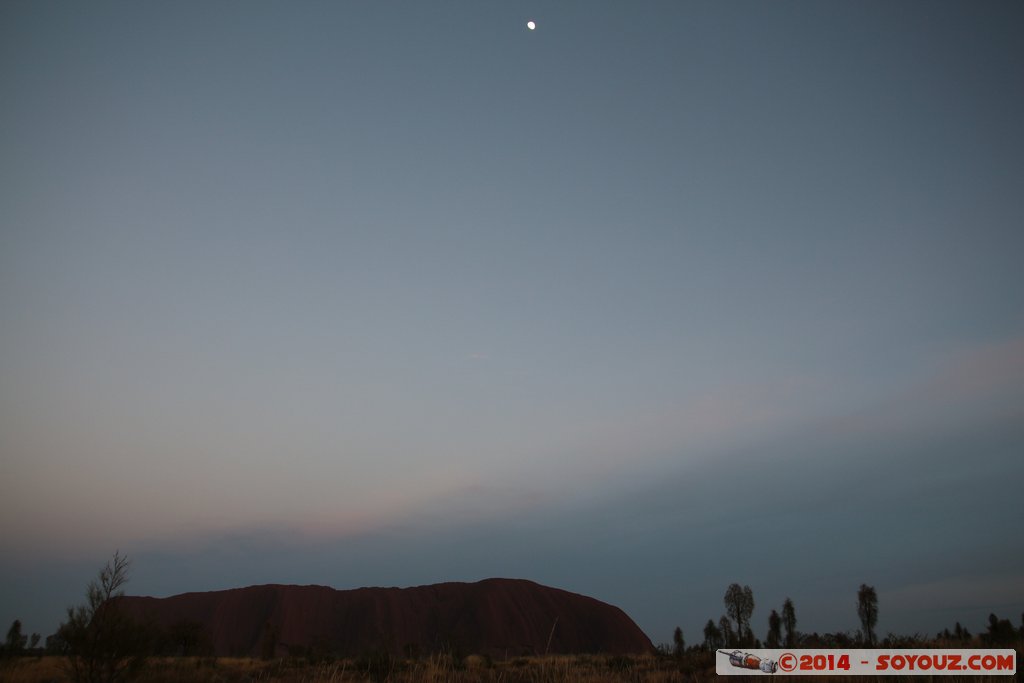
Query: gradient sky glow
[[657, 297]]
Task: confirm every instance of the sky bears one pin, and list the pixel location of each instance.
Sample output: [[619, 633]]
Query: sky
[[655, 298]]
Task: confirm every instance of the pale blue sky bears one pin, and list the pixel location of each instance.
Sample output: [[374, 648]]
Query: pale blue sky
[[398, 292]]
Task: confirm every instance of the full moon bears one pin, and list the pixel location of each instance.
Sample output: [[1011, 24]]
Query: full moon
[[531, 25]]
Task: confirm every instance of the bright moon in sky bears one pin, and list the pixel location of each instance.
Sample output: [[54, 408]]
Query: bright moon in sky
[[531, 25]]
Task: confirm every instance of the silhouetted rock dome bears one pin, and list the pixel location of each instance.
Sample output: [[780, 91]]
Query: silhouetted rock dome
[[498, 617]]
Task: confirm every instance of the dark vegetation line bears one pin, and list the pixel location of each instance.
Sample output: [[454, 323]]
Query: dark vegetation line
[[734, 629], [98, 644]]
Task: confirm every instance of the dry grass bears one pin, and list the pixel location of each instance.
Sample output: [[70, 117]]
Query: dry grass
[[438, 669]]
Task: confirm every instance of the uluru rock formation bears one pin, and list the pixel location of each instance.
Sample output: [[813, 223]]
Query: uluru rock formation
[[497, 617]]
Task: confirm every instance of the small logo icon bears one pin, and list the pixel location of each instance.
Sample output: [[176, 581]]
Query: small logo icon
[[745, 660], [787, 661]]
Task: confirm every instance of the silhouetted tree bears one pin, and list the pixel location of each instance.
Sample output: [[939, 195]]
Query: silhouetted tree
[[774, 630], [789, 622], [867, 610], [186, 639], [728, 635], [678, 644], [1000, 631], [103, 645], [55, 644], [739, 604], [33, 642], [712, 636], [268, 641], [14, 643]]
